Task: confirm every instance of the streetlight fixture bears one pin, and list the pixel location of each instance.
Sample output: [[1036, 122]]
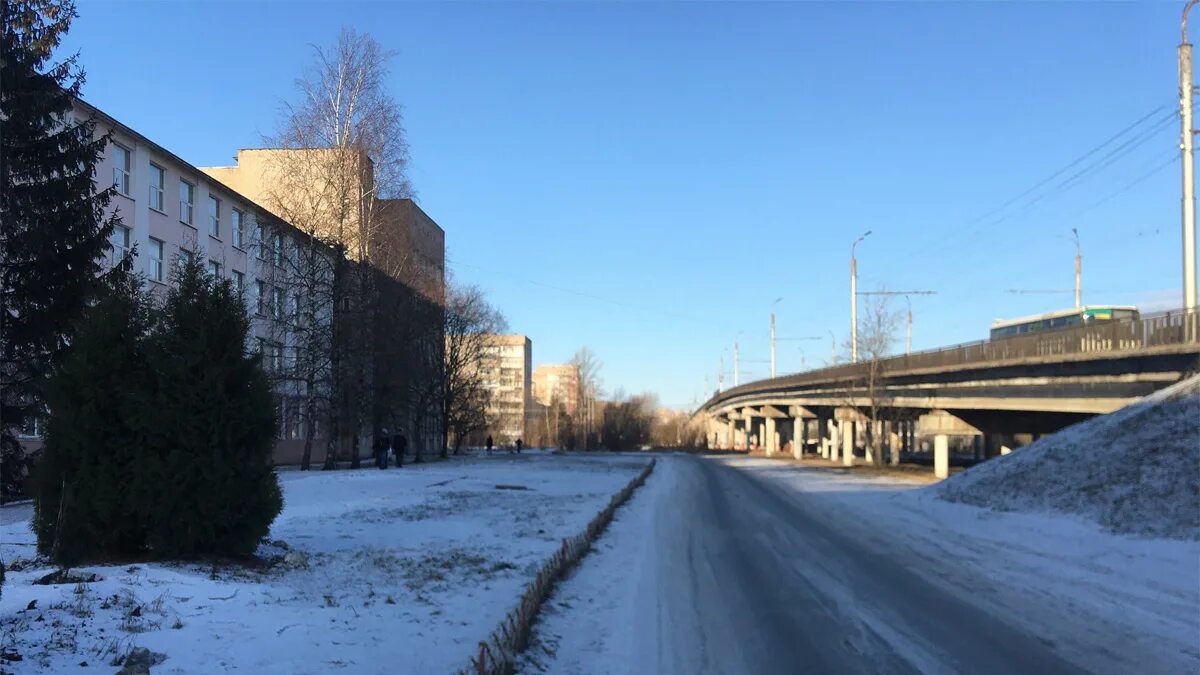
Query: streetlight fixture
[[777, 301], [854, 300]]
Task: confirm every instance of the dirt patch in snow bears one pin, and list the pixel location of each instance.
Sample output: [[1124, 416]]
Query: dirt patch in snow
[[1135, 471]]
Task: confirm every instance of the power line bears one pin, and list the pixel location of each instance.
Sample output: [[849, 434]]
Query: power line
[[986, 219], [641, 308]]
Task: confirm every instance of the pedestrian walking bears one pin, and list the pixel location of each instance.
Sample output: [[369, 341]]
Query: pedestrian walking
[[489, 444], [381, 449], [518, 446], [399, 446]]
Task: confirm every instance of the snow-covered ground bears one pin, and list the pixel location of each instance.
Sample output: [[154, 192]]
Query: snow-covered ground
[[1135, 471], [837, 551], [384, 571]]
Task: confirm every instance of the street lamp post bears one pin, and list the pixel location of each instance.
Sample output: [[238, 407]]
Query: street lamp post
[[735, 360], [832, 349], [854, 300]]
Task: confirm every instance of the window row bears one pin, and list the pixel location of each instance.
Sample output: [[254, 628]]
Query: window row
[[122, 166]]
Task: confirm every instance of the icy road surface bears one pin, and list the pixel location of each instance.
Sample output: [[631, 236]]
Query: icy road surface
[[722, 565]]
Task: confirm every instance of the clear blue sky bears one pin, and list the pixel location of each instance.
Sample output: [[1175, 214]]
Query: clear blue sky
[[646, 179]]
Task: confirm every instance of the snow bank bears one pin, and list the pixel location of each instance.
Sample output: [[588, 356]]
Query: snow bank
[[1135, 471]]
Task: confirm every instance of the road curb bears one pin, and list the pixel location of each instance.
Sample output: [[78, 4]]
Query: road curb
[[497, 655]]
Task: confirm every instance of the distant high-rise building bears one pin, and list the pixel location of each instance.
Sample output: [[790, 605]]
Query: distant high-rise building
[[557, 384], [507, 373]]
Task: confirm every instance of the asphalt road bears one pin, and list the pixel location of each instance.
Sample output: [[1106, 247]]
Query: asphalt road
[[749, 580]]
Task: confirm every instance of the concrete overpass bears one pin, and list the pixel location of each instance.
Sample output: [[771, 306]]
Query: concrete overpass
[[1012, 390]]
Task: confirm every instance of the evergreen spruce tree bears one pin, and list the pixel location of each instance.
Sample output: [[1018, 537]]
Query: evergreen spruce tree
[[85, 505], [54, 233], [214, 425]]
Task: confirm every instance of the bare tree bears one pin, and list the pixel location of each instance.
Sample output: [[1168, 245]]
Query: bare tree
[[589, 392], [470, 325], [878, 329], [341, 157]]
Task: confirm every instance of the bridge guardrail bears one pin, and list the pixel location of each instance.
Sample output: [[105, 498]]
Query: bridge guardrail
[[1163, 329]]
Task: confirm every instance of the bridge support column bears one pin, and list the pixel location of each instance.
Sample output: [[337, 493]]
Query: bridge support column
[[941, 456], [823, 436], [799, 437], [835, 439], [977, 446], [893, 443], [770, 440], [730, 436], [847, 443]]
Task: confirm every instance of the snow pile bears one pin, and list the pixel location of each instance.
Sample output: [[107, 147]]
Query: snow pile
[[1135, 471]]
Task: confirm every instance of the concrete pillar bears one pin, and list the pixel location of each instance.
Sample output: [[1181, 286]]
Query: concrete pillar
[[730, 435], [835, 439], [941, 455], [823, 425], [977, 446], [893, 443], [769, 439], [847, 443], [799, 437]]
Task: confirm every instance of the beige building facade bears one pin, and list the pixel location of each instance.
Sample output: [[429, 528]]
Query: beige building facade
[[507, 371], [557, 384]]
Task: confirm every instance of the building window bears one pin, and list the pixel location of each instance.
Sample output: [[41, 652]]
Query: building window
[[260, 296], [296, 307], [185, 257], [121, 163], [260, 241], [156, 259], [187, 192], [239, 281], [235, 220], [277, 242], [158, 179], [214, 217], [276, 356], [277, 303], [120, 243], [214, 268]]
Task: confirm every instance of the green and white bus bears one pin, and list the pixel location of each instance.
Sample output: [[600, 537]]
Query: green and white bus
[[1064, 318]]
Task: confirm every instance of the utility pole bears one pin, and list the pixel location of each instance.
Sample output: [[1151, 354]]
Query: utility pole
[[735, 363], [832, 349], [1189, 181], [721, 374], [773, 336], [1078, 270], [908, 332], [854, 300]]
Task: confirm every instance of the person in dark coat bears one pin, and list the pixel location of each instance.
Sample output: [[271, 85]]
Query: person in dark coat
[[381, 449], [399, 446], [518, 446], [489, 444]]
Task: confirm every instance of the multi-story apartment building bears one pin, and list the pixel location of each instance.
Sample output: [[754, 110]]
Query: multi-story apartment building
[[394, 234], [171, 210], [557, 384], [507, 373], [332, 194]]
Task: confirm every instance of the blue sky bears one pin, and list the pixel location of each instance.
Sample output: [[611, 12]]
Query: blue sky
[[646, 179]]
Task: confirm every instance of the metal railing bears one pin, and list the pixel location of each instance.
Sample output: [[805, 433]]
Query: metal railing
[[1157, 330]]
